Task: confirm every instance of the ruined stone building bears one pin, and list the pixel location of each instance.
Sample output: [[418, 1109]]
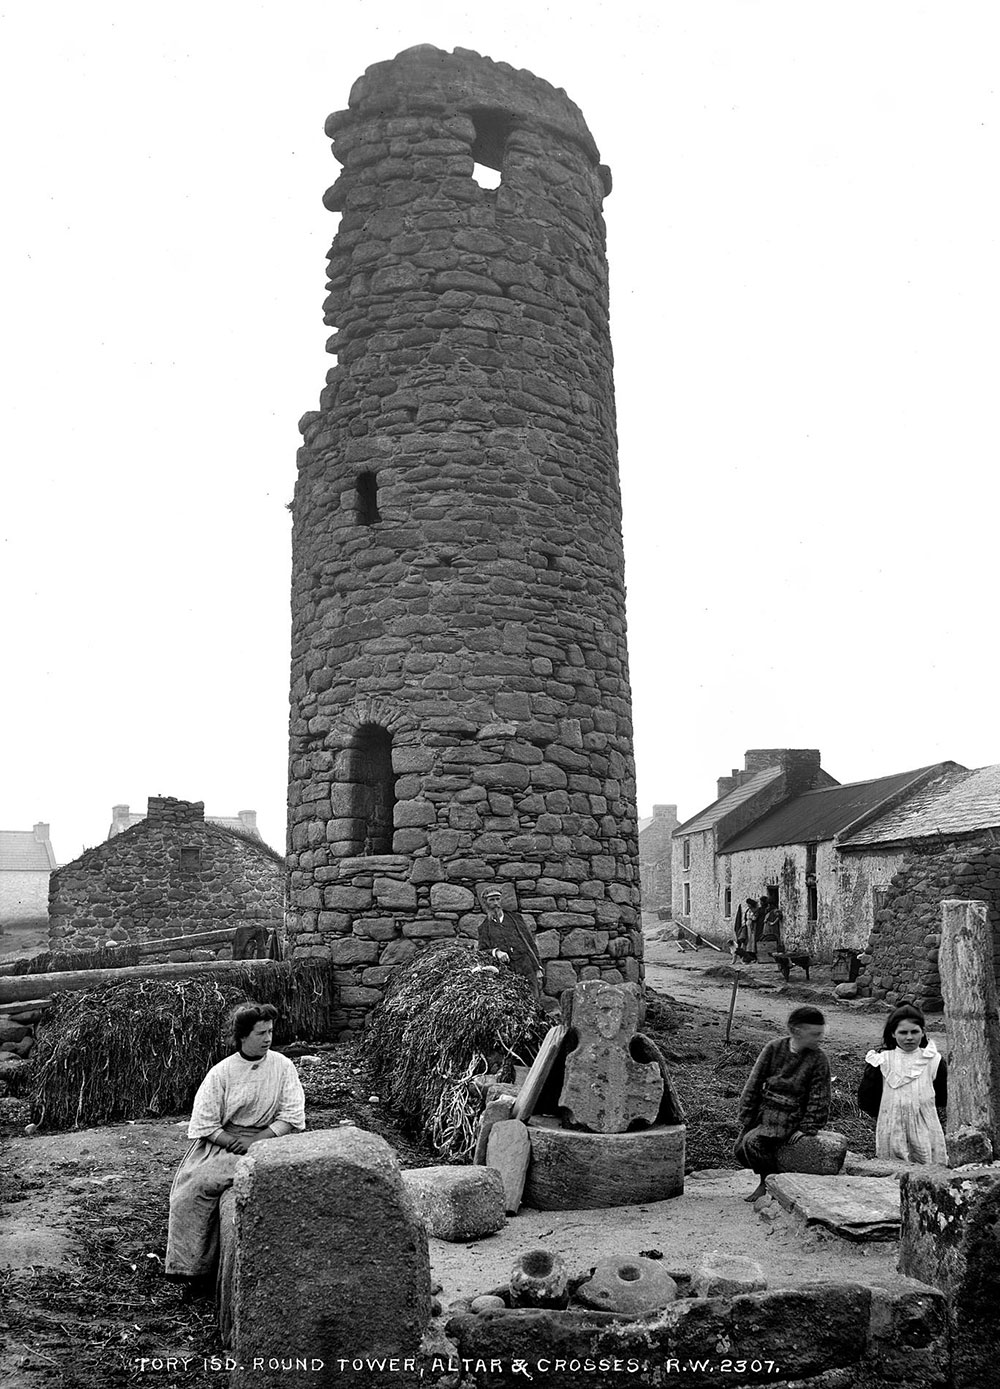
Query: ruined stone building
[[460, 704], [174, 873], [861, 867], [655, 857], [26, 861]]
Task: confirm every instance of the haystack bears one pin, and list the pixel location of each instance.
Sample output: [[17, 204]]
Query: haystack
[[124, 1051], [447, 1019]]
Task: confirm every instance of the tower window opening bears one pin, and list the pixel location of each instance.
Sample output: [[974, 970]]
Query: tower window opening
[[366, 512], [375, 785], [487, 177], [492, 131]]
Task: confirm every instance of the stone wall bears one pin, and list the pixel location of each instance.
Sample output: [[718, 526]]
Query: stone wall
[[23, 894], [655, 853], [901, 959], [460, 703], [171, 875]]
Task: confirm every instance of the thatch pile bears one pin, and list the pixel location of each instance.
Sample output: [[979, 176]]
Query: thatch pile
[[444, 1021], [123, 1051], [57, 962]]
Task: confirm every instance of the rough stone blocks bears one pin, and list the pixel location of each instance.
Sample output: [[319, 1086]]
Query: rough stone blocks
[[328, 1254], [457, 1203]]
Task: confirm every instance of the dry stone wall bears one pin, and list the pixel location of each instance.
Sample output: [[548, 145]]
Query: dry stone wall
[[460, 704], [171, 875], [901, 961]]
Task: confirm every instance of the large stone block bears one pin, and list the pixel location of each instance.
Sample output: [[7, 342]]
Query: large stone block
[[724, 1275], [571, 1169], [332, 1203], [450, 897], [457, 1203]]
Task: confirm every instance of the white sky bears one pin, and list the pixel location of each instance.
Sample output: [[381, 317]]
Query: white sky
[[805, 304]]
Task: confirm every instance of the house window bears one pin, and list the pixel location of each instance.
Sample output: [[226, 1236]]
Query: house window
[[190, 860], [686, 853], [366, 512], [727, 902], [812, 902], [687, 899]]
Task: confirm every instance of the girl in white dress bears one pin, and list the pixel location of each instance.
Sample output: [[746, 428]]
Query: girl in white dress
[[903, 1087]]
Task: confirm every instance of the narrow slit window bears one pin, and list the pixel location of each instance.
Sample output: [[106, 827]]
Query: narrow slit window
[[366, 510], [190, 860]]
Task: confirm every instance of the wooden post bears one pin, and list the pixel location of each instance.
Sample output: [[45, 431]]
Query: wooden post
[[968, 986], [732, 1005]]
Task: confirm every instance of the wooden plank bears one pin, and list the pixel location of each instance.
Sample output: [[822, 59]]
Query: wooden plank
[[16, 987], [524, 1105]]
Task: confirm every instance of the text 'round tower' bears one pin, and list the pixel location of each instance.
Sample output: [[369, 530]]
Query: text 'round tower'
[[460, 706]]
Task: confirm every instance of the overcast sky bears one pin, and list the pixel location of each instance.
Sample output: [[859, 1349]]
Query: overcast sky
[[805, 284]]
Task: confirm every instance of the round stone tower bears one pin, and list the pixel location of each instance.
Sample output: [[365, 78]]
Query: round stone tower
[[460, 707]]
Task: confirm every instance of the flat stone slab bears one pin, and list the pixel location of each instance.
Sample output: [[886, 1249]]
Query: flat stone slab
[[527, 1097], [857, 1166], [509, 1151], [727, 1275], [457, 1203], [857, 1208]]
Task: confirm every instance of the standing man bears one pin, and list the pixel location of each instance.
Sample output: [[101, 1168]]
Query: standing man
[[508, 938]]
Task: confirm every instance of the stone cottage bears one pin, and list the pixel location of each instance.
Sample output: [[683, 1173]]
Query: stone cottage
[[172, 874], [655, 857], [943, 842], [795, 856], [26, 860], [770, 777]]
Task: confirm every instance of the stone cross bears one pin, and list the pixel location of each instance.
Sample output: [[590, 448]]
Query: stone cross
[[605, 1088]]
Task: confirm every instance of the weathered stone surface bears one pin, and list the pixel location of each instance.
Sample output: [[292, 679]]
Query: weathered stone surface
[[575, 1170], [859, 1208], [449, 897], [508, 1149], [333, 1202], [495, 1111], [458, 626], [457, 1203], [630, 1284], [605, 1089], [539, 1278], [821, 1154], [541, 1068], [724, 1275], [950, 1238], [757, 1326]]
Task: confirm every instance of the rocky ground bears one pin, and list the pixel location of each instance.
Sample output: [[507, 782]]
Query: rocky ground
[[84, 1214]]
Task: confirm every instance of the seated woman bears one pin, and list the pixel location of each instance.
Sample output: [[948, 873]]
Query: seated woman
[[903, 1088], [253, 1095], [787, 1095]]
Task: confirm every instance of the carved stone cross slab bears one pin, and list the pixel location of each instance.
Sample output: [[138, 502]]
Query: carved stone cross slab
[[606, 1089]]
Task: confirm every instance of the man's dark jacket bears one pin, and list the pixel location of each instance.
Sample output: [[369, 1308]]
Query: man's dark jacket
[[513, 934]]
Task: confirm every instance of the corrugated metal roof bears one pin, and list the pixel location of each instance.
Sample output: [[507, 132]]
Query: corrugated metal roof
[[959, 803], [817, 815], [712, 814], [21, 851]]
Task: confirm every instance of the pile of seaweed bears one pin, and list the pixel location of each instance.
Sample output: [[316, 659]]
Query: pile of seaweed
[[447, 1019], [141, 1047], [58, 962]]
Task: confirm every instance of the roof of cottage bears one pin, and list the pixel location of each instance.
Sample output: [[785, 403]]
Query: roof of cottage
[[817, 815], [21, 851], [959, 803], [709, 817]]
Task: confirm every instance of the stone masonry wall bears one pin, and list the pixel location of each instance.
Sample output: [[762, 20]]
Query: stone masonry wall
[[173, 874], [901, 960], [460, 703], [655, 851]]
